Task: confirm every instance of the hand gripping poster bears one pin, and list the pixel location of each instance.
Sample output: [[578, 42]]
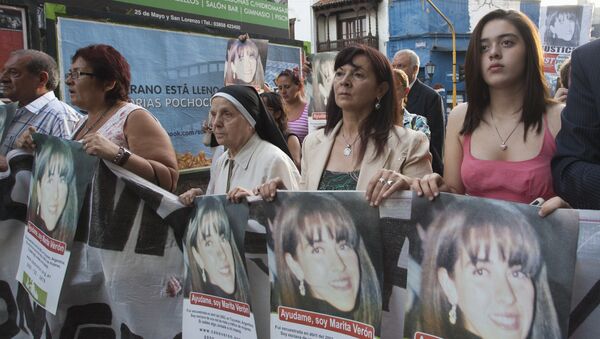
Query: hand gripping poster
[[61, 174], [489, 269], [325, 266], [216, 293]]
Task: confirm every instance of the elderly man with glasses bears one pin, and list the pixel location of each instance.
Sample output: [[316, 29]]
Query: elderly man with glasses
[[29, 77]]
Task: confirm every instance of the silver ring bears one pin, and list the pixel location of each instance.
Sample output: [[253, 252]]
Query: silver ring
[[382, 180], [390, 182]]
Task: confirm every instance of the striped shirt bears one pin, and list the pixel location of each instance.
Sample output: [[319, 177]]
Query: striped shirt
[[47, 114], [299, 127], [416, 123]]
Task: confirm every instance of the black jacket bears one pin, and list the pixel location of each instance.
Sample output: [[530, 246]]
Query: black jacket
[[425, 101]]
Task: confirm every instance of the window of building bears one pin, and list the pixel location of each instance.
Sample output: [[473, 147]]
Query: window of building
[[350, 28]]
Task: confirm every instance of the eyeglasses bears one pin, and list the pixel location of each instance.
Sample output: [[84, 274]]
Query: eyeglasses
[[76, 74]]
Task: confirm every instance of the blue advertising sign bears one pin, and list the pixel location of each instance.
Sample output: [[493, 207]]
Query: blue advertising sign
[[174, 74]]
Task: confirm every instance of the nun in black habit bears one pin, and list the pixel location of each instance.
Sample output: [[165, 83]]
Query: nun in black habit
[[256, 149]]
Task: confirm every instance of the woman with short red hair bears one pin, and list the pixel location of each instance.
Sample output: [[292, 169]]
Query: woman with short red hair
[[116, 129]]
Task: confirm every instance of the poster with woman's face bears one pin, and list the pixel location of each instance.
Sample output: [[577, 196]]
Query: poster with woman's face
[[7, 112], [325, 265], [61, 174], [489, 269], [322, 78], [563, 26], [216, 285], [245, 62]]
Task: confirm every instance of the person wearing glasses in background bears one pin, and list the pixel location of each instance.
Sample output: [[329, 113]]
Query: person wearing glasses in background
[[29, 77], [115, 129]]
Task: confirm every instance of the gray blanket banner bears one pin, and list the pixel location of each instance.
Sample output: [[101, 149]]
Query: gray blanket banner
[[128, 245]]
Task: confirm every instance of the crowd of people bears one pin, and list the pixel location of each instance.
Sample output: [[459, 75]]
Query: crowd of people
[[384, 129]]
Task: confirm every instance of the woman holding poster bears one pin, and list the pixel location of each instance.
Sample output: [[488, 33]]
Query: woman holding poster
[[215, 263], [322, 262], [360, 148], [53, 201], [115, 129], [500, 144], [483, 275]]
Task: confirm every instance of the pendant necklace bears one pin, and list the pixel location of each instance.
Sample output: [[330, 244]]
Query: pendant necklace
[[88, 129], [348, 147], [503, 145]]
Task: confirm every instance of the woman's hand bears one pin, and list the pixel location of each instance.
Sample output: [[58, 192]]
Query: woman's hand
[[561, 94], [430, 186], [3, 163], [238, 194], [173, 287], [552, 205], [383, 184], [97, 144], [25, 139], [188, 197], [268, 190]]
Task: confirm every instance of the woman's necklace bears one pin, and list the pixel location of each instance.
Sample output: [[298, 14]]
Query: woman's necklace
[[348, 147], [89, 128], [503, 142]]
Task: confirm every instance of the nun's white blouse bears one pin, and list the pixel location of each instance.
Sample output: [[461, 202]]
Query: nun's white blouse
[[257, 162]]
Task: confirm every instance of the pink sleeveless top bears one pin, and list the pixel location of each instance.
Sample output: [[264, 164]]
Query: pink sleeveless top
[[518, 181], [299, 127]]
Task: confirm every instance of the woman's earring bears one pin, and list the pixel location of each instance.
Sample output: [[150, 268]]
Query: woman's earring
[[378, 104], [452, 314], [301, 288], [203, 276]]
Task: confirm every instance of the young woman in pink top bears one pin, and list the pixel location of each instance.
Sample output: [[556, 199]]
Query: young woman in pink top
[[291, 89], [500, 144]]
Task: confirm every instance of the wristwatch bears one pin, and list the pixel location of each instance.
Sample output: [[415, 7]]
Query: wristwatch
[[122, 156]]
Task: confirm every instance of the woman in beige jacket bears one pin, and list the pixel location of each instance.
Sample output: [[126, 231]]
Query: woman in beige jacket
[[360, 148]]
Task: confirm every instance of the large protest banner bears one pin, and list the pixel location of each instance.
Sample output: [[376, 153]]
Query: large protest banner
[[174, 74], [128, 251]]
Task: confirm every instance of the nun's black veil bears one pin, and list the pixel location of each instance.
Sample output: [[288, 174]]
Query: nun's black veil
[[265, 126]]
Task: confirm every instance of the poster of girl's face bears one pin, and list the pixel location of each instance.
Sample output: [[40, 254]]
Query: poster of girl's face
[[62, 171], [490, 269], [214, 248], [562, 26], [245, 62], [7, 112], [323, 64], [327, 256]]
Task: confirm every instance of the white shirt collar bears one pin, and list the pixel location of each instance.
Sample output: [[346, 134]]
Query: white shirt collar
[[243, 157], [36, 105], [412, 83]]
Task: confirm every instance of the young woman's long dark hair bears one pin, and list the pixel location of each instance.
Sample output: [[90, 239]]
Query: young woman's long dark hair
[[536, 95], [274, 107], [378, 124]]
